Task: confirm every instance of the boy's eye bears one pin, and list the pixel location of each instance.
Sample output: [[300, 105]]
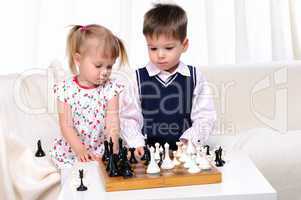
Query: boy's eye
[[109, 67], [153, 48], [169, 48], [98, 66]]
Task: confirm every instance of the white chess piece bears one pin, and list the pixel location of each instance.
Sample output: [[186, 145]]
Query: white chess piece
[[179, 151], [190, 148], [188, 161], [175, 159], [167, 162], [203, 161], [157, 152], [183, 156], [152, 167], [193, 168]]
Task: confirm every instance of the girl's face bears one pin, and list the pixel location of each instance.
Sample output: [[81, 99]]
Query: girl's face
[[94, 69]]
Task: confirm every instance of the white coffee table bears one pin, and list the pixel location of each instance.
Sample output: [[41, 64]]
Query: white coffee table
[[241, 180]]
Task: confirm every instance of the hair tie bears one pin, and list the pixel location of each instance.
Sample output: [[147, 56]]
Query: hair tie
[[83, 28]]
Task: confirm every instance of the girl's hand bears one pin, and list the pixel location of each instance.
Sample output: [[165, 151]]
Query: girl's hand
[[83, 154], [139, 152]]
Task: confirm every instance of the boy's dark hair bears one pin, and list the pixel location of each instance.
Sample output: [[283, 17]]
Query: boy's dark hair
[[166, 19]]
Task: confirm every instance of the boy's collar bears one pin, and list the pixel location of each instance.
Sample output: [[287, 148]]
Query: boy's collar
[[153, 70]]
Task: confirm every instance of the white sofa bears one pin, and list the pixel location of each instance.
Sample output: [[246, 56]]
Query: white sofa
[[258, 112]]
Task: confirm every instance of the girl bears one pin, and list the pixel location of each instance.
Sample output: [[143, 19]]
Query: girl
[[88, 101]]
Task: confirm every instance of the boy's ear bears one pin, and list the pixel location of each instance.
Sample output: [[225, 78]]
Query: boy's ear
[[76, 59], [185, 44]]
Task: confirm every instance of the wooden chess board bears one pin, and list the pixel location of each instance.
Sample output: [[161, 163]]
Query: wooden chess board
[[179, 176]]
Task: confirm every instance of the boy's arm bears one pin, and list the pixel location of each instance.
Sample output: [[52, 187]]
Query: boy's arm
[[203, 114], [131, 116]]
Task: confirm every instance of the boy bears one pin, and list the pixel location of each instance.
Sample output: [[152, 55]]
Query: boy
[[174, 97]]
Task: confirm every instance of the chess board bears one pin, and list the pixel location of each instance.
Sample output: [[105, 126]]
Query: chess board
[[179, 176]]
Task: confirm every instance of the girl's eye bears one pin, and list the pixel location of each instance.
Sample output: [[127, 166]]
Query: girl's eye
[[169, 48], [153, 49], [110, 67], [98, 66]]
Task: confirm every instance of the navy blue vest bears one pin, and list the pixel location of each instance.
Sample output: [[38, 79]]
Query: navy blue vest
[[166, 107]]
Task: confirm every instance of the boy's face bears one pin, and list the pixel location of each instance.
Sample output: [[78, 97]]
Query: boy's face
[[165, 52]]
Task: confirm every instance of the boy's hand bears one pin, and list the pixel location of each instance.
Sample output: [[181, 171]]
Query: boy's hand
[[139, 152], [184, 141]]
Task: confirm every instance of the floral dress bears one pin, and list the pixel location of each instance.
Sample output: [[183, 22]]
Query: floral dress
[[88, 105]]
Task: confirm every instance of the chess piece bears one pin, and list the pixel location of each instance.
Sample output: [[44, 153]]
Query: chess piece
[[147, 156], [219, 162], [167, 162], [120, 149], [153, 167], [179, 150], [207, 150], [106, 154], [81, 187], [133, 159], [112, 164], [125, 167], [193, 168], [157, 152], [175, 159], [183, 156], [190, 148], [203, 161], [145, 150], [40, 152]]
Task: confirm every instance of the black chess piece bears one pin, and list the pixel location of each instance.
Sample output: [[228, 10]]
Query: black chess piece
[[81, 187], [40, 152], [106, 154], [147, 156], [219, 162], [161, 158], [120, 149], [207, 150], [125, 167], [221, 155], [112, 166], [143, 157], [133, 159]]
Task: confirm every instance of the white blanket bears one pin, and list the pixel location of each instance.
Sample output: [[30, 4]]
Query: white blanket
[[24, 176]]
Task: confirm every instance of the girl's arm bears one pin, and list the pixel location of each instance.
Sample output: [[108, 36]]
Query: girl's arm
[[112, 122], [70, 134]]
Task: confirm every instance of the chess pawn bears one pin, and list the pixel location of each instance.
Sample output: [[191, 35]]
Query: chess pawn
[[175, 159], [193, 168], [179, 150], [153, 167], [167, 162], [40, 152]]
